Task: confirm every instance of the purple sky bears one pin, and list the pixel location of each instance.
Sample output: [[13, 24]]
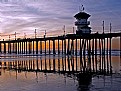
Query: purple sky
[[23, 16]]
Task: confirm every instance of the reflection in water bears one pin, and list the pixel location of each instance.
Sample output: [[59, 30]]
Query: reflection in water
[[81, 69], [59, 64]]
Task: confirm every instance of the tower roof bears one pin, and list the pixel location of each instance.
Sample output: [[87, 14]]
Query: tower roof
[[82, 15]]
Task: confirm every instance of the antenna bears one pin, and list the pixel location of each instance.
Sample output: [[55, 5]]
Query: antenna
[[81, 8]]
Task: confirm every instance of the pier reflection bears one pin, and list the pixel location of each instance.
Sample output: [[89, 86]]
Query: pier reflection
[[80, 68], [60, 64]]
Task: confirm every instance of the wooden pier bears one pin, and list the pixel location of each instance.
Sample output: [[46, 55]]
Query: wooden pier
[[66, 44]]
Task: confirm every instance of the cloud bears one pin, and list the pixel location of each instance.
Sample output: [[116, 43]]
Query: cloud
[[18, 16], [26, 15]]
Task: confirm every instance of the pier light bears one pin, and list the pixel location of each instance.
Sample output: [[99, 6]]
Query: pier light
[[82, 23]]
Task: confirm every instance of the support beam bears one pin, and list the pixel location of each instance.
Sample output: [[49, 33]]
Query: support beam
[[76, 48], [107, 57], [58, 47], [110, 55], [104, 57], [81, 63], [54, 47], [20, 47], [120, 47], [13, 51], [84, 57], [36, 47], [49, 47], [33, 47], [93, 55], [62, 46], [102, 42], [96, 54], [16, 47], [10, 48], [100, 55], [5, 48], [40, 47], [30, 47], [26, 47], [68, 49], [65, 46], [89, 54], [45, 47]]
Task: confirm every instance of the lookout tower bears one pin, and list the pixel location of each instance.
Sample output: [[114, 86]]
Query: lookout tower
[[82, 22]]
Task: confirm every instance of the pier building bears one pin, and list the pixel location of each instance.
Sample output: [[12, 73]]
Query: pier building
[[82, 23]]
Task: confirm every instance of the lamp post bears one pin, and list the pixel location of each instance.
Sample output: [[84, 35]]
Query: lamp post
[[64, 30], [25, 35], [9, 37], [15, 35], [35, 33], [45, 34], [103, 27]]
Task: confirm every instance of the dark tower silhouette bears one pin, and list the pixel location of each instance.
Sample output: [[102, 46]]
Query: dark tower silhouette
[[82, 23]]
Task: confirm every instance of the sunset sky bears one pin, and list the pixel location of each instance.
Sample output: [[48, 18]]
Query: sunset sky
[[24, 16]]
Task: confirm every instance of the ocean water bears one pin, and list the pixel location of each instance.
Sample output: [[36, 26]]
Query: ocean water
[[51, 73]]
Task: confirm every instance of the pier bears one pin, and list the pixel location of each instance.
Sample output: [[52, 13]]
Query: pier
[[87, 51], [90, 47], [66, 44]]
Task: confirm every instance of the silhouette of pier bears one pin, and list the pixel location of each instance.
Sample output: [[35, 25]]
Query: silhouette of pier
[[66, 44], [89, 52]]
